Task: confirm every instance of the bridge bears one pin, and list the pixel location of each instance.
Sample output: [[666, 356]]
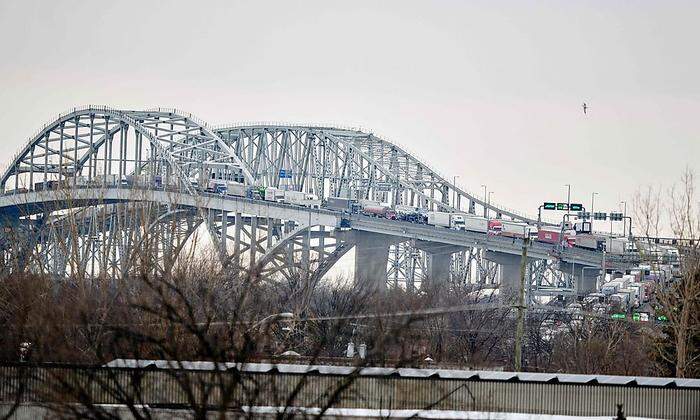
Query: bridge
[[67, 211]]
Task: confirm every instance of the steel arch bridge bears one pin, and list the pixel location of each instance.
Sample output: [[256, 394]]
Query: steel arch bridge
[[66, 211]]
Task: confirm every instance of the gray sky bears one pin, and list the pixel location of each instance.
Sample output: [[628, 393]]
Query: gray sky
[[489, 91]]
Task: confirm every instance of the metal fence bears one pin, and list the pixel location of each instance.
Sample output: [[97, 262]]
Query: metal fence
[[235, 387]]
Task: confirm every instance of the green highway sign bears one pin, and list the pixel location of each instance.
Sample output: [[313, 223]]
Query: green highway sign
[[576, 207], [562, 206], [549, 206], [618, 316]]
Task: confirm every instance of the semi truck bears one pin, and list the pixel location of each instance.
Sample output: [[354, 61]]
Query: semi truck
[[341, 204], [508, 228], [274, 194], [447, 220], [223, 187], [301, 198], [409, 214], [476, 224], [610, 288], [588, 241], [553, 235], [379, 210], [620, 300], [237, 189]]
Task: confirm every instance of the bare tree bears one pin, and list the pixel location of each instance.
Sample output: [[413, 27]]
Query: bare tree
[[681, 301], [647, 211]]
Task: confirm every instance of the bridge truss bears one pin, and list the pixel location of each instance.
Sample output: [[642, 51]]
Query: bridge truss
[[92, 147]]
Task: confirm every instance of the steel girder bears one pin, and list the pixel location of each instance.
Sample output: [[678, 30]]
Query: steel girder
[[332, 162], [92, 142], [109, 241]]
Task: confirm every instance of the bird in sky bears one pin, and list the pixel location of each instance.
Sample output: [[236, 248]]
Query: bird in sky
[[585, 108]]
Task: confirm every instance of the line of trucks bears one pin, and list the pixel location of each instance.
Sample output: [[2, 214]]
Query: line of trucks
[[625, 292], [576, 234]]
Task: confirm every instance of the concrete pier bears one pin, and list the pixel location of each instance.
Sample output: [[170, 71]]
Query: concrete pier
[[371, 260], [509, 269], [438, 261], [585, 277]]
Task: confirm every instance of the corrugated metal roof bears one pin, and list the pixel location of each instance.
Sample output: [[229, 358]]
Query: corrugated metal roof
[[484, 375]]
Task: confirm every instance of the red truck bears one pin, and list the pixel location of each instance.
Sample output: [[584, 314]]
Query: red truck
[[553, 235], [379, 211]]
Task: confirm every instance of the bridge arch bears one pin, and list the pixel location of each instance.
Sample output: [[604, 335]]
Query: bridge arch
[[99, 141], [85, 146]]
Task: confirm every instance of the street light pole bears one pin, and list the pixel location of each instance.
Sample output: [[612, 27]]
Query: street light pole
[[624, 220], [592, 201], [488, 217], [486, 209], [568, 197], [454, 189]]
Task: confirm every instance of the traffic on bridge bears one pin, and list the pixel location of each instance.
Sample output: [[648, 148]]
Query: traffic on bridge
[[281, 197]]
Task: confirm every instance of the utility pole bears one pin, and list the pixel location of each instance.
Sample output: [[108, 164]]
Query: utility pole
[[520, 328]]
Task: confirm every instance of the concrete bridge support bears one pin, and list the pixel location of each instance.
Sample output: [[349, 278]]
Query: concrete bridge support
[[510, 272], [438, 269], [586, 277], [438, 262], [371, 259]]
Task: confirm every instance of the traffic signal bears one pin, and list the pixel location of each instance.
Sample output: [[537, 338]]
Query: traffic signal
[[616, 217], [562, 206], [576, 207], [549, 206], [600, 216], [584, 215]]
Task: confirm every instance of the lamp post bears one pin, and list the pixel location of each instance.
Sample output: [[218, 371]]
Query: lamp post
[[624, 215], [454, 189], [486, 209], [592, 201], [568, 197]]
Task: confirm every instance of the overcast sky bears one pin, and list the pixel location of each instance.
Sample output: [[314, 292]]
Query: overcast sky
[[489, 91]]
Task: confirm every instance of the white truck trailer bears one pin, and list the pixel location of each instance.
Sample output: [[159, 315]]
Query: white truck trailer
[[300, 198], [620, 299], [508, 228], [476, 224], [236, 188], [610, 288], [444, 219]]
